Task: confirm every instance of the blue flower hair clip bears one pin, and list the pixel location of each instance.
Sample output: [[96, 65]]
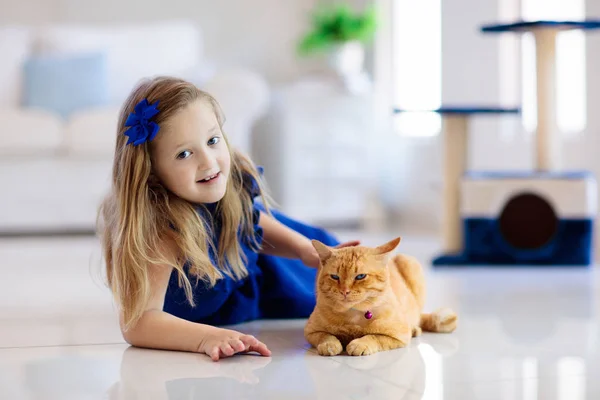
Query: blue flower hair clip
[[141, 128]]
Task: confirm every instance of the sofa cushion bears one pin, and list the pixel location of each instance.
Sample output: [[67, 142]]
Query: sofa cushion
[[65, 83], [15, 47], [134, 51], [29, 132], [92, 133], [52, 193]]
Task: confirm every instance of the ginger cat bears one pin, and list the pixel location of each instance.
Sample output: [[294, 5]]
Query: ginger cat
[[370, 300]]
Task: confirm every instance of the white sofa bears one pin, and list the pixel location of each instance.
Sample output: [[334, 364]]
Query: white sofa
[[54, 171]]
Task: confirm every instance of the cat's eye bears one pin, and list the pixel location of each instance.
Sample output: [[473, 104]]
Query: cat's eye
[[360, 277], [335, 277], [214, 140], [184, 154]]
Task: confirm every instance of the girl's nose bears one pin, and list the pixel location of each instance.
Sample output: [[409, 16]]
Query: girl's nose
[[206, 161]]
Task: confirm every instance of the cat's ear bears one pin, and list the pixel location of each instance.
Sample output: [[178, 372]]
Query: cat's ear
[[387, 248], [323, 251]]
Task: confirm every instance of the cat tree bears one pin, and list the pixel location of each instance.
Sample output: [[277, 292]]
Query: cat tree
[[541, 217]]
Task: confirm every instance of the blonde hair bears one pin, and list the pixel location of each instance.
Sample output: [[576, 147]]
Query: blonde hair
[[143, 224]]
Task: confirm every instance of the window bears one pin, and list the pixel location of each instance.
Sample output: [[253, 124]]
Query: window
[[417, 65]]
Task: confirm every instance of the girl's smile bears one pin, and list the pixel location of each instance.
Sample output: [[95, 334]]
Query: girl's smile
[[210, 180]]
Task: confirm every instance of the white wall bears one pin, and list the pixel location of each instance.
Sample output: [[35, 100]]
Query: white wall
[[257, 34]]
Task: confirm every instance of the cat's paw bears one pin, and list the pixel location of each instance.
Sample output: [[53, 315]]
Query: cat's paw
[[330, 348], [417, 331], [361, 347], [447, 320]]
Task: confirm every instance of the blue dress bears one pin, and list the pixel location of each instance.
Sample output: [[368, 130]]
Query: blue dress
[[275, 287]]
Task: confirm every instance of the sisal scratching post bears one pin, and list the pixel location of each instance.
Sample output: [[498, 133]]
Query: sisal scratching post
[[455, 159], [547, 137]]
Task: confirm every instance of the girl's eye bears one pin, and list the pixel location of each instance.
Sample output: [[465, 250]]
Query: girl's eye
[[360, 277], [214, 141], [335, 277], [184, 154]]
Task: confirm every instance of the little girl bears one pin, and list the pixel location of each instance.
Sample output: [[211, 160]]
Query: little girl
[[187, 245]]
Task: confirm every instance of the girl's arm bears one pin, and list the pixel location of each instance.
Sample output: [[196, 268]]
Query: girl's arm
[[279, 240], [159, 330]]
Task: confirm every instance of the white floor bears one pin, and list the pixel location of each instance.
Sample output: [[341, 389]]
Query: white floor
[[523, 334]]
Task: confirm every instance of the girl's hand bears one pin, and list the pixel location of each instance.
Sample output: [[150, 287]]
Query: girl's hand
[[310, 257], [225, 343]]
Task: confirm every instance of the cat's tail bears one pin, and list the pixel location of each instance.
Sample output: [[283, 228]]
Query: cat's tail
[[441, 321]]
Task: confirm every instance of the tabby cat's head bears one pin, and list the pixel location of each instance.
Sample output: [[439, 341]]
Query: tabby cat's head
[[352, 275]]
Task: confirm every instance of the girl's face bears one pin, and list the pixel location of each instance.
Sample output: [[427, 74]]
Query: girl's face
[[190, 155]]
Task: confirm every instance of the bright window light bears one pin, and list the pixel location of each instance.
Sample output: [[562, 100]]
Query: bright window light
[[417, 65]]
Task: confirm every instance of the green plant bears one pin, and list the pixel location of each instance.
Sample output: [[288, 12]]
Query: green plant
[[336, 25]]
